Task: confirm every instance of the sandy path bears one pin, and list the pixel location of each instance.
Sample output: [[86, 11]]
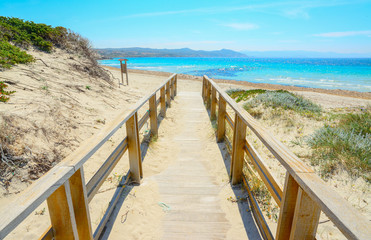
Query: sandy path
[[191, 190]]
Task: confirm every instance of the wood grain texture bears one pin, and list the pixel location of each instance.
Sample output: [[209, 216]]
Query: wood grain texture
[[239, 135], [153, 116], [135, 160], [221, 120], [61, 214], [163, 102], [352, 224], [80, 204], [213, 104], [168, 98], [306, 217], [287, 209], [264, 174]]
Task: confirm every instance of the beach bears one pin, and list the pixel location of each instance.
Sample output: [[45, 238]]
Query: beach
[[77, 114]]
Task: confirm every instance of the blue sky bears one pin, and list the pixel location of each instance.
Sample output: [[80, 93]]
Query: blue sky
[[342, 26]]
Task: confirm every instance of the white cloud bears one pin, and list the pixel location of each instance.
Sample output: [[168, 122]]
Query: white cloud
[[241, 26], [344, 34]]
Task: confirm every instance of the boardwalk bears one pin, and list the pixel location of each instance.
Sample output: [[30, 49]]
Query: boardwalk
[[193, 193]]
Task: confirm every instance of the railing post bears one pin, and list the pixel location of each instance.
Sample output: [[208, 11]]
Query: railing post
[[80, 204], [135, 160], [203, 88], [221, 119], [239, 135], [61, 213], [153, 115], [176, 85], [173, 88], [208, 93], [299, 215], [213, 103], [168, 100], [163, 102]]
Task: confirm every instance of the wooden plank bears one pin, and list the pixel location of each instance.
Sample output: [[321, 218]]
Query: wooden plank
[[208, 96], [153, 116], [80, 204], [61, 213], [213, 104], [112, 204], [238, 150], [143, 120], [100, 176], [48, 234], [287, 208], [221, 119], [176, 85], [172, 88], [135, 159], [258, 215], [350, 222], [306, 217], [40, 190], [163, 102], [229, 120], [158, 101], [31, 198], [168, 98], [265, 175]]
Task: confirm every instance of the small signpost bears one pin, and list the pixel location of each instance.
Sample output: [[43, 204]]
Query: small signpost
[[124, 69]]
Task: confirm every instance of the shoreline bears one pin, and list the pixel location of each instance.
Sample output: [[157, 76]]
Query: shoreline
[[269, 86]]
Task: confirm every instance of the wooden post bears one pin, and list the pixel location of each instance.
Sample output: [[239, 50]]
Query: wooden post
[[203, 88], [153, 115], [168, 94], [213, 104], [306, 217], [80, 204], [239, 135], [61, 213], [290, 193], [221, 119], [208, 93], [299, 214], [172, 88], [163, 102], [135, 159], [176, 85]]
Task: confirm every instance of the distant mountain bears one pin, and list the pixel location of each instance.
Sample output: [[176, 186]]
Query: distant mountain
[[151, 52], [303, 54]]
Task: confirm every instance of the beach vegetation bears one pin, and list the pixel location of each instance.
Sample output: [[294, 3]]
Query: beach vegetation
[[18, 35], [244, 95], [344, 144], [4, 95], [282, 99]]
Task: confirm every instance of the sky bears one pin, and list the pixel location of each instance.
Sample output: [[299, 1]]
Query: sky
[[342, 26]]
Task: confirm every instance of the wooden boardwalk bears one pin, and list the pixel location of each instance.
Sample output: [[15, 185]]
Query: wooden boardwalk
[[191, 184], [188, 187]]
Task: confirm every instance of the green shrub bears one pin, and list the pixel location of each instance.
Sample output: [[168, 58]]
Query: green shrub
[[285, 100], [243, 95], [4, 94], [346, 144], [11, 55]]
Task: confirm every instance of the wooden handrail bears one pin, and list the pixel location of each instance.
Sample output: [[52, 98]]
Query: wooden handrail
[[304, 194], [62, 177]]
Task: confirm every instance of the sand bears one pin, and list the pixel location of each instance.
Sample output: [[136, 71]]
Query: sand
[[56, 108]]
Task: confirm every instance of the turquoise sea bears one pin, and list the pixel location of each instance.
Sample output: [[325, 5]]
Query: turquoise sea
[[348, 74]]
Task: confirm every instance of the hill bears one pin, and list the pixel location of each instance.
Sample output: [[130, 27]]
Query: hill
[[304, 54], [151, 52]]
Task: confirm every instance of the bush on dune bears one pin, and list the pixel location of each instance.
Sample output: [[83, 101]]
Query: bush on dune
[[345, 145], [16, 33]]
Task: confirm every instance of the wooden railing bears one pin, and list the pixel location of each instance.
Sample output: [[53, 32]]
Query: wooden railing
[[304, 195], [63, 187]]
